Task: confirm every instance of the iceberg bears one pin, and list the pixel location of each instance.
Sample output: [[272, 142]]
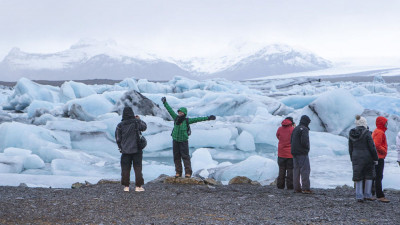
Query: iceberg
[[245, 142], [33, 137], [25, 91], [336, 110], [255, 167]]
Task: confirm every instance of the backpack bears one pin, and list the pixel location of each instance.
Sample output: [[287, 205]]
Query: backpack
[[189, 131], [141, 140]]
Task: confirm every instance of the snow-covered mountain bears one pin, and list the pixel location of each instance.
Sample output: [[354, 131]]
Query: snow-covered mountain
[[90, 59]]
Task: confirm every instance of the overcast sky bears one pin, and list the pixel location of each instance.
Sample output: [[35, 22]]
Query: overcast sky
[[332, 29]]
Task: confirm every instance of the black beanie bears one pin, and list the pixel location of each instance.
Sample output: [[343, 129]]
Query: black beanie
[[127, 113]]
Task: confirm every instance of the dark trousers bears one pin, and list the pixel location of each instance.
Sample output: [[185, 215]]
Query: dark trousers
[[181, 153], [301, 170], [126, 164], [285, 173], [379, 177]]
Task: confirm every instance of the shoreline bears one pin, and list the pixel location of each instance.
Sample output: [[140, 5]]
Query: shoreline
[[191, 204]]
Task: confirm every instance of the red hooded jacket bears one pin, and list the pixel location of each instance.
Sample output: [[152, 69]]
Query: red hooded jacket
[[379, 137], [283, 134]]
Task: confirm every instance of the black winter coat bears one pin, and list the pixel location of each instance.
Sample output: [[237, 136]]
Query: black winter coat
[[126, 133], [362, 153], [300, 142]]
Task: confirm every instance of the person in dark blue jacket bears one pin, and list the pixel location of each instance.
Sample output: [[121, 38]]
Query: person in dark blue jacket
[[300, 146]]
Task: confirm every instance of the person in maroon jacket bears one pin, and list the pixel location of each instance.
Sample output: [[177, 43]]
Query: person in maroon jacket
[[285, 158]]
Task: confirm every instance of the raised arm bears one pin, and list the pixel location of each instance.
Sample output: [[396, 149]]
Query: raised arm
[[169, 109], [142, 125]]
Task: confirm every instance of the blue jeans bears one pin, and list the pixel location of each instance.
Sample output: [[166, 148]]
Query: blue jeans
[[367, 189]]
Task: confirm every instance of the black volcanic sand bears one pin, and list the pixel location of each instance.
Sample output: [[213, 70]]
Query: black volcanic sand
[[191, 204]]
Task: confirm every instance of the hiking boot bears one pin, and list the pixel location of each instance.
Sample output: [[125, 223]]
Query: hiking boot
[[307, 192], [139, 189], [370, 199], [297, 191], [383, 199], [360, 200], [178, 175], [188, 175], [126, 188]]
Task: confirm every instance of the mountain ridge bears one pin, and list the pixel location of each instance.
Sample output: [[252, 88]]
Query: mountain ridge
[[99, 60]]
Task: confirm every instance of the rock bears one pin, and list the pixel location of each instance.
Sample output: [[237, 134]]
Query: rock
[[274, 182], [104, 181], [240, 180], [22, 185], [255, 183], [345, 187], [77, 185], [141, 105], [159, 179], [87, 183], [76, 111], [212, 182], [192, 180]]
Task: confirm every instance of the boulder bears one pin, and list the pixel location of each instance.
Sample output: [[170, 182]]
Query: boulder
[[180, 180], [211, 181], [240, 180], [141, 105], [77, 185], [104, 181], [159, 179]]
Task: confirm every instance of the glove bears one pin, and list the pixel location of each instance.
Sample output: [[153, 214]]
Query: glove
[[120, 151], [212, 117], [376, 163], [164, 99]]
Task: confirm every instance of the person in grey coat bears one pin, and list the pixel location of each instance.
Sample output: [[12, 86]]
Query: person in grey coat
[[126, 136], [363, 156], [300, 146]]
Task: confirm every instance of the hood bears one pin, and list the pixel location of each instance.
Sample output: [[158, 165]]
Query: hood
[[286, 122], [358, 133], [380, 123], [183, 109], [127, 114], [305, 120]]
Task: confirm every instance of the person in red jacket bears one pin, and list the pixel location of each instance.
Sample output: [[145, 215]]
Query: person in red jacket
[[285, 158], [379, 137]]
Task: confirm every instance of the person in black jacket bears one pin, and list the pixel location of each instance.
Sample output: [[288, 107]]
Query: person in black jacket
[[300, 146], [127, 138], [363, 156]]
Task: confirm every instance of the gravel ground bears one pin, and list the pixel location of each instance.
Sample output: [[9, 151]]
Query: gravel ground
[[191, 204]]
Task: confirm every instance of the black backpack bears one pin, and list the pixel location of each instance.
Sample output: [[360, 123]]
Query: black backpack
[[189, 131]]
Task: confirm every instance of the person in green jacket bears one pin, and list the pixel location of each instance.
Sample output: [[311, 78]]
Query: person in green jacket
[[180, 137]]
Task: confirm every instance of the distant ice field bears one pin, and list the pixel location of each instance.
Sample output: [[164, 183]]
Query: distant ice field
[[57, 135]]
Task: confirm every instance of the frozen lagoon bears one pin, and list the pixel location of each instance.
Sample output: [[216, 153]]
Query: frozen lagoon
[[55, 136]]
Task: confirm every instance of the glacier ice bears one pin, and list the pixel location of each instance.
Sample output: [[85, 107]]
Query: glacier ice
[[245, 142], [335, 110], [254, 167], [66, 134], [202, 159]]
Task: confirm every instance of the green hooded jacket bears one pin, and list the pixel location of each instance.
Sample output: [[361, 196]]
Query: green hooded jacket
[[179, 133]]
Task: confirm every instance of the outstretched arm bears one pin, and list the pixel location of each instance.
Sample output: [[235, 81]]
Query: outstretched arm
[[199, 119]]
